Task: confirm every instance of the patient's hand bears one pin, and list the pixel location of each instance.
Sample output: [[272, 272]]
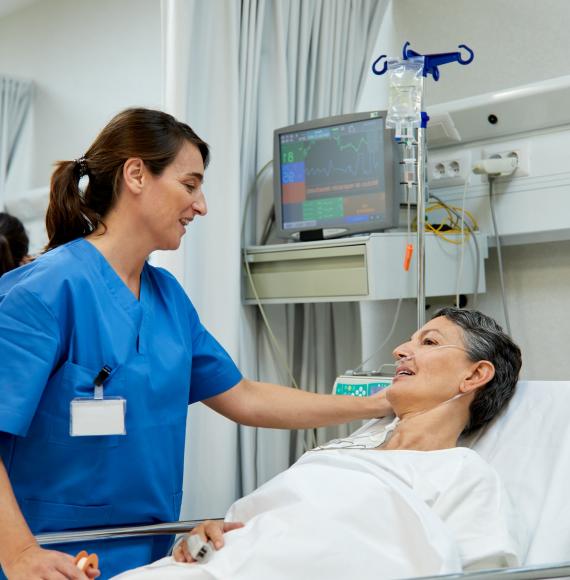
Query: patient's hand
[[210, 530]]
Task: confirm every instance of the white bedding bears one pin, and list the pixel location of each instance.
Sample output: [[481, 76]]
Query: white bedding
[[364, 514], [529, 446]]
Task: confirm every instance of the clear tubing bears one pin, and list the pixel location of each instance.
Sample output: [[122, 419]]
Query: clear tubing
[[409, 163], [368, 440], [499, 254], [421, 213], [409, 357]]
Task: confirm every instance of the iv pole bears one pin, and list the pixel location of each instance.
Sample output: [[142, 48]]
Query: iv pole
[[431, 62]]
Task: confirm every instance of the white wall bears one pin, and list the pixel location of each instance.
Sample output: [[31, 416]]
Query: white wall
[[88, 59], [516, 42]]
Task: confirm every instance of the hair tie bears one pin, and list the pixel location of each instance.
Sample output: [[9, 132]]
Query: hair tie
[[81, 164]]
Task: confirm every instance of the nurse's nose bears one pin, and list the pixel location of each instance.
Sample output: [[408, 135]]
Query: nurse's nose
[[199, 206]]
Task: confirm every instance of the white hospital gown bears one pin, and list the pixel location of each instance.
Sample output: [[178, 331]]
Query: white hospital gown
[[365, 514]]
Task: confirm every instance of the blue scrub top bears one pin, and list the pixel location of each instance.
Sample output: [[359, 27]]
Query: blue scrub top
[[62, 318]]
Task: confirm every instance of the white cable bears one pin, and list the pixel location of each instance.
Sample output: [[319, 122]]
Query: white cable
[[397, 314], [385, 341], [273, 338], [499, 253], [250, 193], [475, 242], [462, 250], [496, 166], [308, 434]]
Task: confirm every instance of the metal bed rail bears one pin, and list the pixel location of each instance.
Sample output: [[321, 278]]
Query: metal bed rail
[[168, 528], [558, 570]]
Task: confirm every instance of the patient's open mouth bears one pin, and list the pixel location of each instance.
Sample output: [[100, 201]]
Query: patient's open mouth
[[404, 372]]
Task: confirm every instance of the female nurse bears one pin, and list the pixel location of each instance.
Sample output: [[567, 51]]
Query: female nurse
[[14, 243], [101, 353]]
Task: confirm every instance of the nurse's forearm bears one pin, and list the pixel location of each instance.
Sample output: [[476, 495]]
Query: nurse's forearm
[[15, 535], [267, 405]]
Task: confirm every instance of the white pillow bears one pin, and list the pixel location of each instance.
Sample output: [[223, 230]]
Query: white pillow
[[529, 445]]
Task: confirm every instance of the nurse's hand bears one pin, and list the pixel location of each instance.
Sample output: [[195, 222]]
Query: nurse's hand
[[384, 405], [210, 530], [35, 563]]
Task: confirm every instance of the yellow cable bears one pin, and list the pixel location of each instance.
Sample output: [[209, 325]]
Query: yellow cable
[[453, 224]]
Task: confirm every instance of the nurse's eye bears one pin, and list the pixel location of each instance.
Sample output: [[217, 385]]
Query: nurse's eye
[[190, 187]]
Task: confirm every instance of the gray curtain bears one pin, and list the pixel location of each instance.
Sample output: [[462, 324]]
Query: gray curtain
[[15, 102], [298, 60]]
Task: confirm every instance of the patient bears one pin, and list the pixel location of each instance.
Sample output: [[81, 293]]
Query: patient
[[397, 498]]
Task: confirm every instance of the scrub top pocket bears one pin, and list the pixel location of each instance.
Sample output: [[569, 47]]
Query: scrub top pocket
[[49, 515], [53, 418]]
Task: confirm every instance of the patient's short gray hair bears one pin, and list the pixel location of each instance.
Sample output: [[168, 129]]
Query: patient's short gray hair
[[485, 340]]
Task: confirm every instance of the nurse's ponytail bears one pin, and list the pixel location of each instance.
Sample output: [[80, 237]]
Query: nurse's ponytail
[[68, 216], [153, 136]]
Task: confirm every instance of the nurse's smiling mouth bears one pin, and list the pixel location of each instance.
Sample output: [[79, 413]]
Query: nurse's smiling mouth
[[184, 222]]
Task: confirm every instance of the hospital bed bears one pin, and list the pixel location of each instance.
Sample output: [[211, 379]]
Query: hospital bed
[[529, 445]]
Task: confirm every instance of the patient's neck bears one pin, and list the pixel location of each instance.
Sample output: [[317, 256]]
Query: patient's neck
[[434, 429]]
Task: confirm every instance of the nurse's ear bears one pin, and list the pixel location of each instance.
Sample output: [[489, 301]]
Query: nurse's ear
[[134, 174]]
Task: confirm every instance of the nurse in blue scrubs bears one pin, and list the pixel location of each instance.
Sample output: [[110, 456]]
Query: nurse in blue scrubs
[[101, 354]]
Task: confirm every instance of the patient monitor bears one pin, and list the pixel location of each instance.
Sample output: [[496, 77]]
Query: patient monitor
[[360, 385]]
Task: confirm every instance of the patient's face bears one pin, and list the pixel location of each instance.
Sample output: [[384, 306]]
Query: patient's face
[[431, 374]]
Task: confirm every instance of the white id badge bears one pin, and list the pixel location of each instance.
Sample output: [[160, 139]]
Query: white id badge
[[97, 416]]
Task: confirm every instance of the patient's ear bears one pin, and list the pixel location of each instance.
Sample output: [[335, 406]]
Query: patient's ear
[[481, 373]]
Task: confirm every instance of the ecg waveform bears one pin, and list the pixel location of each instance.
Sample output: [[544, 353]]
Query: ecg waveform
[[348, 163], [300, 150], [365, 165]]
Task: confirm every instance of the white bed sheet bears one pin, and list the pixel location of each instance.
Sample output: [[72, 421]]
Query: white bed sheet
[[529, 446], [332, 515], [364, 513]]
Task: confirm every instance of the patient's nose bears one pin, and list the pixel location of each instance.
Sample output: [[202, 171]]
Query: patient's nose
[[402, 352]]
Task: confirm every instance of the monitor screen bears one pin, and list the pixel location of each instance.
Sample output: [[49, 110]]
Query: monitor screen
[[337, 175]]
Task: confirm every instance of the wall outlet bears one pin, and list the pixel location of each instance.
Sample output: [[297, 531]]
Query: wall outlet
[[518, 149], [449, 169]]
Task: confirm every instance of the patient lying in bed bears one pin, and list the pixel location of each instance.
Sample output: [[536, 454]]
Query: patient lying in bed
[[397, 498]]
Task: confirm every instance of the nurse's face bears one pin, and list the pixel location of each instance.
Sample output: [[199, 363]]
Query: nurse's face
[[428, 374], [174, 198]]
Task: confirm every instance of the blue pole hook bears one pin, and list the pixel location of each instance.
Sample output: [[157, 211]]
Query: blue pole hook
[[431, 61], [375, 63]]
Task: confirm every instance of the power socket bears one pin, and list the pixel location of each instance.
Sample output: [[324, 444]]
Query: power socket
[[518, 149], [447, 170]]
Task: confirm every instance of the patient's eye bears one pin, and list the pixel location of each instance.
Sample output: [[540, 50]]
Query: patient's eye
[[429, 341]]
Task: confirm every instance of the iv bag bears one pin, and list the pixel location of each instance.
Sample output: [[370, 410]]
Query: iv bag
[[405, 96]]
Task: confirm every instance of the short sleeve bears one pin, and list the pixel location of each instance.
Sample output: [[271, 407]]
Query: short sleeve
[[477, 510], [213, 370], [29, 343]]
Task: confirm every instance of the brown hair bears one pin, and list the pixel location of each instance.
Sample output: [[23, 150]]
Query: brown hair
[[153, 136], [14, 242]]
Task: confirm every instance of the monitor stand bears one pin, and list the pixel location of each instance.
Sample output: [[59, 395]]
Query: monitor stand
[[311, 236]]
